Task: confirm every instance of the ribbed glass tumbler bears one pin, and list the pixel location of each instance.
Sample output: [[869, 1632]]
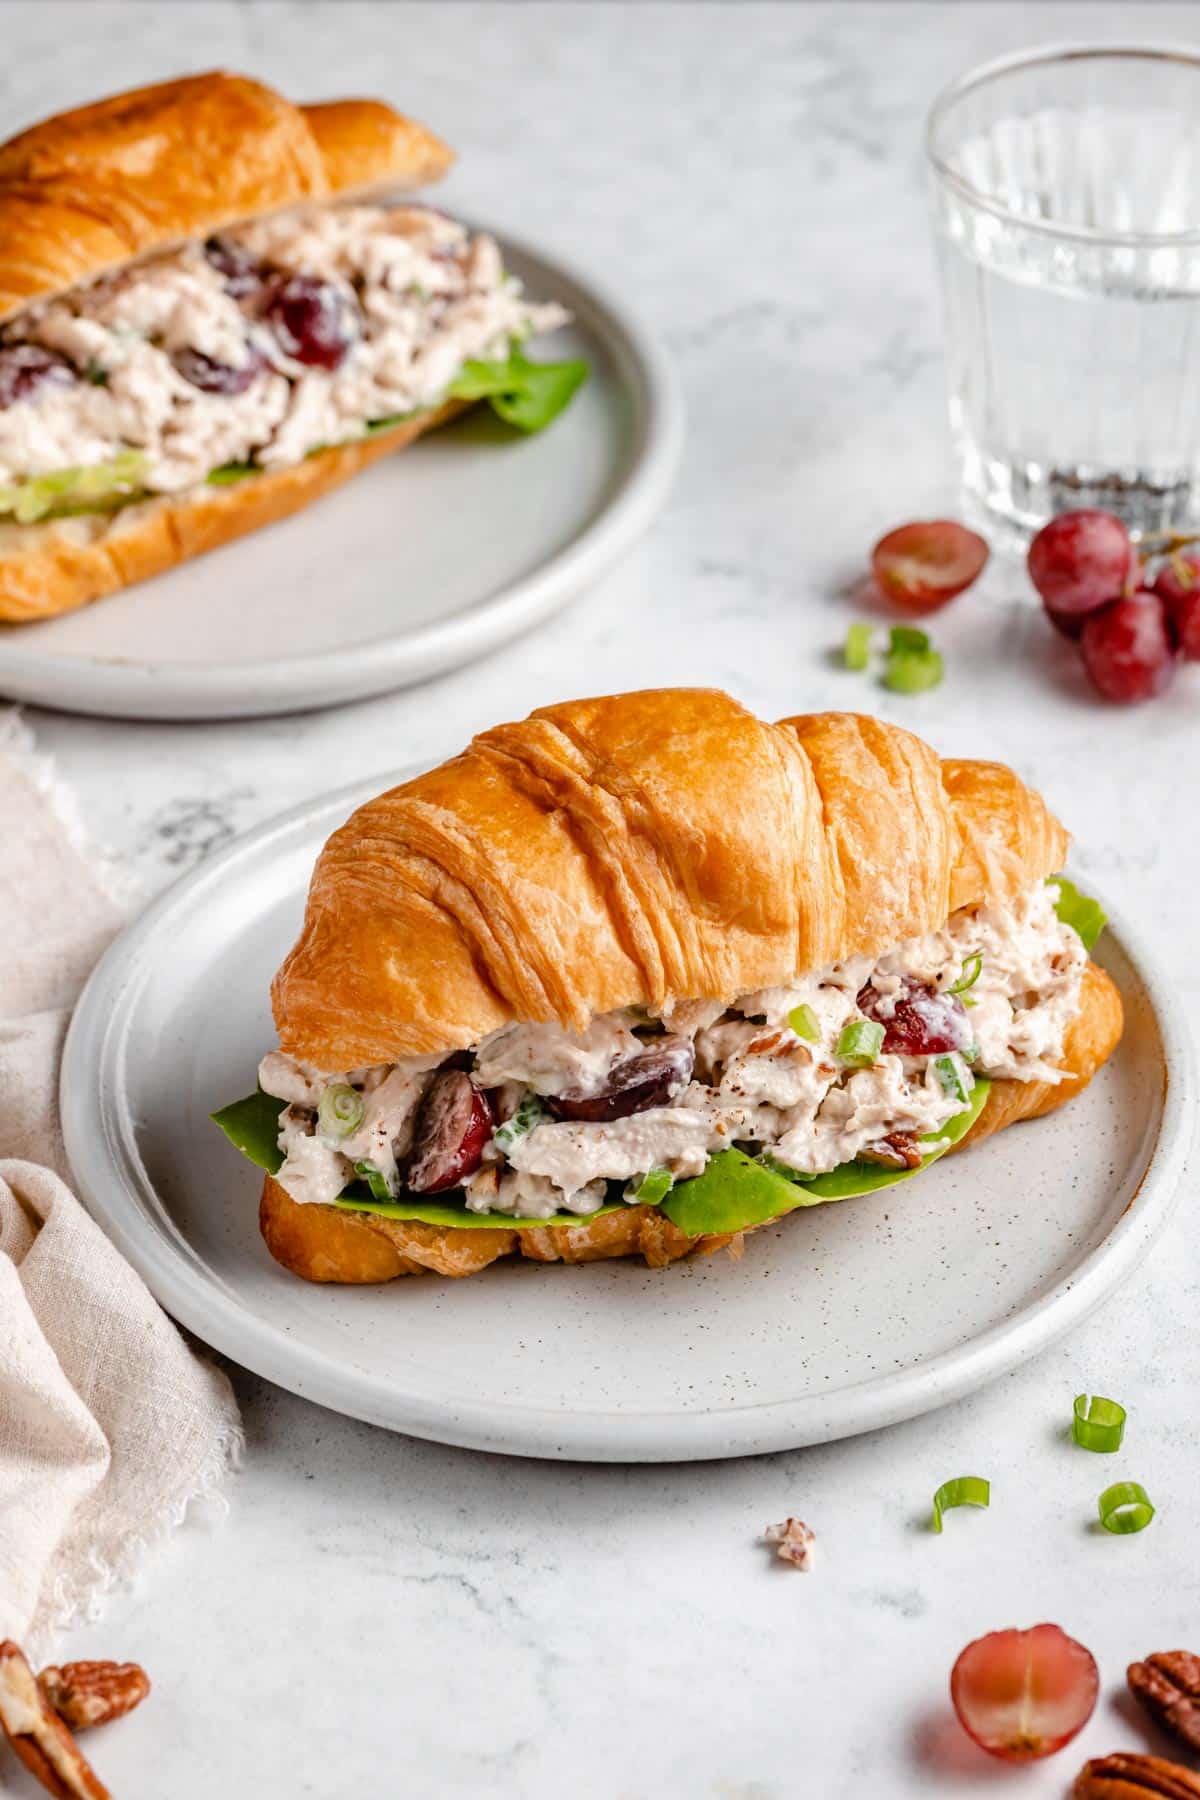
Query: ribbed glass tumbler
[[1065, 186]]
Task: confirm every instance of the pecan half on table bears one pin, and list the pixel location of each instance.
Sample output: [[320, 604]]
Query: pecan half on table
[[38, 1735], [1128, 1777], [1168, 1686], [36, 1711]]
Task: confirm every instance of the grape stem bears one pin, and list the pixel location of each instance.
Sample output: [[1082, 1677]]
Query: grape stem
[[1170, 545], [1167, 543]]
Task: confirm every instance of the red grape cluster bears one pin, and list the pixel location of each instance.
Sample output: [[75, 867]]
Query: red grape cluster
[[1133, 621]]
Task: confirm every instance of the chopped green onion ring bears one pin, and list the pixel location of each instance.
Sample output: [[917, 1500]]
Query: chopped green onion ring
[[973, 964], [1125, 1507], [856, 652], [651, 1188], [340, 1110], [913, 671], [954, 1077], [860, 1043], [531, 1112], [908, 637], [805, 1023], [964, 1490], [376, 1180], [1098, 1425]]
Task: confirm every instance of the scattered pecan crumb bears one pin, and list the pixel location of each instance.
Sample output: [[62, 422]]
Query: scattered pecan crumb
[[1168, 1686], [793, 1542], [93, 1693], [1129, 1777]]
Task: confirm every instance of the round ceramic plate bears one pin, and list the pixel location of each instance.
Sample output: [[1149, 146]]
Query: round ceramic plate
[[839, 1319], [428, 559]]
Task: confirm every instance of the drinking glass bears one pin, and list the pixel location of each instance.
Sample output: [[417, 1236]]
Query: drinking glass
[[1065, 186]]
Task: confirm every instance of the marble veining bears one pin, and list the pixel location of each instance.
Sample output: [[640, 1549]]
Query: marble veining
[[375, 1614]]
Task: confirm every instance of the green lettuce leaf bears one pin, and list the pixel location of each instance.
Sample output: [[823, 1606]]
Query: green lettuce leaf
[[98, 488], [252, 1126], [228, 473], [1087, 916], [445, 1212], [737, 1191], [523, 393], [734, 1192]]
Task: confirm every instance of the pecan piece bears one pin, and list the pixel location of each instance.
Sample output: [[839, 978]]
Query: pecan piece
[[793, 1541], [900, 1150], [38, 1735], [1168, 1686], [1128, 1777], [93, 1693]]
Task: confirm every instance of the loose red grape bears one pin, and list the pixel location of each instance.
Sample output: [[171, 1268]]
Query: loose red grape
[[921, 1022], [451, 1133], [1128, 650], [217, 377], [1079, 562], [25, 368], [1024, 1694], [650, 1078], [1178, 584], [922, 565], [315, 322]]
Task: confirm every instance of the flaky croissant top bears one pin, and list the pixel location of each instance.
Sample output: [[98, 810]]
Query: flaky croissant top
[[88, 190], [639, 849]]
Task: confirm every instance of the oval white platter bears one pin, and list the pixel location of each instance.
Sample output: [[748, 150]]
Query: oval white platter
[[428, 559], [840, 1319]]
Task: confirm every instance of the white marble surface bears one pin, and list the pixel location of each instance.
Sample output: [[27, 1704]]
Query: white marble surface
[[378, 1615]]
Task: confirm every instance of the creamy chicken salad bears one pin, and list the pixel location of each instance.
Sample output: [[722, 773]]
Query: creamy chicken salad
[[255, 348], [867, 1060]]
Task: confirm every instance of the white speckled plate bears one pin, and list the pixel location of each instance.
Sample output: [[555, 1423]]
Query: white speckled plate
[[840, 1319], [428, 559]]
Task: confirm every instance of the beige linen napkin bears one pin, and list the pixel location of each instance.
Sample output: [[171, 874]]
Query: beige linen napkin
[[109, 1424]]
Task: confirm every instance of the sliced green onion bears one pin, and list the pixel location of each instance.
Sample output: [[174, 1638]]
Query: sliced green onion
[[340, 1110], [375, 1180], [1099, 1425], [651, 1188], [530, 1112], [964, 1490], [908, 637], [856, 652], [1125, 1507], [805, 1023], [860, 1043], [913, 671], [955, 1077], [971, 971]]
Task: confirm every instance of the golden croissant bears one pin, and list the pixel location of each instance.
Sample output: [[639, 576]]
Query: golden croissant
[[642, 973], [212, 313]]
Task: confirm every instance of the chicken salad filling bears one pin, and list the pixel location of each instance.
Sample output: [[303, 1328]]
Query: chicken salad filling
[[875, 1061], [250, 351]]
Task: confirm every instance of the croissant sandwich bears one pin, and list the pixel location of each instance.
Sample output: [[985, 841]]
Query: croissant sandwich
[[213, 309], [642, 973]]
